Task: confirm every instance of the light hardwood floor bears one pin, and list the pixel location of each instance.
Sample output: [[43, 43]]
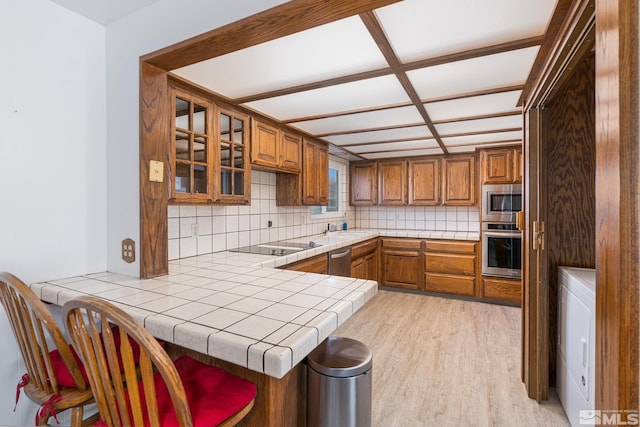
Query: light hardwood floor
[[446, 362]]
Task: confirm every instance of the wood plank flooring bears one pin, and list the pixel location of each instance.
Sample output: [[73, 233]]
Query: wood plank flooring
[[446, 362]]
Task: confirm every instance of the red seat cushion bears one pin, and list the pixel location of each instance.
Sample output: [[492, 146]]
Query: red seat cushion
[[64, 376], [213, 394]]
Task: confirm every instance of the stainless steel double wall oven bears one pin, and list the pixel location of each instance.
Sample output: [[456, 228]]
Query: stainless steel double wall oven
[[501, 239]]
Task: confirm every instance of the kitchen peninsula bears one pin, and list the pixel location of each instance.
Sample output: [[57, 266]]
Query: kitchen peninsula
[[236, 310]]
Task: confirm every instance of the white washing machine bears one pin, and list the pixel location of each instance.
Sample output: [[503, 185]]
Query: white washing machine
[[575, 368]]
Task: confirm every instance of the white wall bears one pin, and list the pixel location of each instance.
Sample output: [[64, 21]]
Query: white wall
[[152, 28], [52, 158]]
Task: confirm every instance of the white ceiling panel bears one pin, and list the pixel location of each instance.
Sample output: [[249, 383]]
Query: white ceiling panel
[[473, 106], [486, 72], [411, 153], [456, 25], [380, 135], [480, 125], [331, 50], [420, 144], [348, 96], [369, 120], [482, 138]]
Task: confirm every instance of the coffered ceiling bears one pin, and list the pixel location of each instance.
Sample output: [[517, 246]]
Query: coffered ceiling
[[416, 77]]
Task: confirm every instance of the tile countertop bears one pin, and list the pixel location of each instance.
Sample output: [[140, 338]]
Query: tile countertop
[[236, 306]]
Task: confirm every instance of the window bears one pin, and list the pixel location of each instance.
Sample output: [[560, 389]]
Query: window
[[335, 205]]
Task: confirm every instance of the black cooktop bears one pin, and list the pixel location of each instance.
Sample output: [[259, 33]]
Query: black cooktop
[[276, 248]]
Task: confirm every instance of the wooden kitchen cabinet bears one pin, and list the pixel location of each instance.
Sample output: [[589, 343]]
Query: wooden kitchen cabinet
[[392, 183], [315, 173], [518, 163], [209, 145], [233, 183], [265, 145], [450, 266], [274, 149], [459, 181], [401, 263], [424, 182], [291, 152], [364, 184], [502, 289], [311, 186], [364, 260], [315, 264], [192, 148], [501, 166]]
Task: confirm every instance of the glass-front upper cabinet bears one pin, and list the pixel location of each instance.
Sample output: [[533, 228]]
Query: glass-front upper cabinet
[[192, 146], [232, 156]]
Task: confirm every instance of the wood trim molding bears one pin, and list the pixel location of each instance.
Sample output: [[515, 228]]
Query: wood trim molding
[[617, 206], [564, 33], [279, 21], [155, 113], [377, 32]]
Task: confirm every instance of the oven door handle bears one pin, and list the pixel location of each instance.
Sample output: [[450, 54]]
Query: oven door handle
[[506, 234]]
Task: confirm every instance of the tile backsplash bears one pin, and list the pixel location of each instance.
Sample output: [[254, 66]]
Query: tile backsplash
[[198, 230], [433, 218]]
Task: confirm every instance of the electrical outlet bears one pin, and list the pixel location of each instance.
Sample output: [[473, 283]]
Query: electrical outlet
[[128, 250], [195, 230]]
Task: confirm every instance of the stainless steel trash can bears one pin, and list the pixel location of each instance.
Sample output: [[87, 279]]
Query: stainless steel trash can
[[339, 384]]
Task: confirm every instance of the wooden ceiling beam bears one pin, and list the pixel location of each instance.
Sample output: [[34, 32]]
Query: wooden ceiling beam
[[279, 21], [479, 117], [475, 53], [350, 132], [452, 135], [377, 32], [482, 92]]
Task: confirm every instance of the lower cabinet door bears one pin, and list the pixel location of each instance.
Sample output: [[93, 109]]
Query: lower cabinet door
[[400, 269], [357, 268]]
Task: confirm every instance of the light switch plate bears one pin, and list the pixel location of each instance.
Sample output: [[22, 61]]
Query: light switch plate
[[156, 171]]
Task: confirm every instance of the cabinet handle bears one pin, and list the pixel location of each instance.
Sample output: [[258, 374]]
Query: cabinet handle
[[341, 254]]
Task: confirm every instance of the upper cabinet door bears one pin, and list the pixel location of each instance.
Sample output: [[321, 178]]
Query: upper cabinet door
[[459, 181], [364, 184], [392, 183], [497, 166], [501, 166], [424, 182], [191, 147], [233, 183], [517, 165], [291, 152], [265, 149]]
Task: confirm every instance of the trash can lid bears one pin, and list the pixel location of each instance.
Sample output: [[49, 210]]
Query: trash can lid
[[340, 357]]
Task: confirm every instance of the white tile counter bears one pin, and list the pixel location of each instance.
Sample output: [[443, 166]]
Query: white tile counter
[[236, 306], [264, 319]]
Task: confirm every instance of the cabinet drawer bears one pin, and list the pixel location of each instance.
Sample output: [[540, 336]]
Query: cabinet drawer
[[450, 284], [452, 246], [316, 264], [413, 244], [451, 263], [360, 249], [502, 289]]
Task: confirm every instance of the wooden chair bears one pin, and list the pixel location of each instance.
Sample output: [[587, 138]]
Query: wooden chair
[[54, 377], [184, 392]]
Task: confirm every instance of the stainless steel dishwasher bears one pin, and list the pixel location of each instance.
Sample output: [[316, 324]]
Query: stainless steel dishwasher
[[340, 262]]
